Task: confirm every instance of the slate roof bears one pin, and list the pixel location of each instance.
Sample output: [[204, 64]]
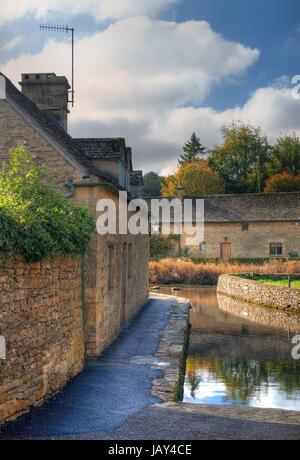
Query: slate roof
[[102, 148], [129, 157], [136, 177], [50, 126], [274, 207], [253, 207]]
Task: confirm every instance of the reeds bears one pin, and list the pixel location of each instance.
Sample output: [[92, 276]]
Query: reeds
[[185, 271]]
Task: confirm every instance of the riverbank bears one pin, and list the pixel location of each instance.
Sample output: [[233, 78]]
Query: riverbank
[[265, 295], [189, 272]]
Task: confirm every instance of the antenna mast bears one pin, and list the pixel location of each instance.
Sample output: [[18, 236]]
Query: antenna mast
[[65, 29]]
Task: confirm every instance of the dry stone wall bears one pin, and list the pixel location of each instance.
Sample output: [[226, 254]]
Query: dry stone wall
[[255, 292], [41, 320]]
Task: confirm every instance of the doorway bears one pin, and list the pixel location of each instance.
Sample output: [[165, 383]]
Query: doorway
[[225, 251]]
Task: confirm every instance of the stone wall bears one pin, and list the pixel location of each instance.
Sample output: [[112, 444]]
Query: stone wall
[[251, 243], [259, 315], [41, 320], [116, 276], [255, 292], [15, 131]]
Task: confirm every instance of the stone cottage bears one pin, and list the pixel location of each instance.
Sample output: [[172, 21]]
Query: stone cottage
[[115, 269], [245, 226]]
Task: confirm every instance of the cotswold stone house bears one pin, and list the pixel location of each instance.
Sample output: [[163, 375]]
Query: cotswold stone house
[[115, 269], [246, 226]]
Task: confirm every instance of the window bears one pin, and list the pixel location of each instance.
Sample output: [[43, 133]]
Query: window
[[276, 249], [245, 227], [129, 261], [203, 246], [110, 266]]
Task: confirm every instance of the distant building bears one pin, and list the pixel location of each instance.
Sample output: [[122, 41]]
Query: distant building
[[245, 226]]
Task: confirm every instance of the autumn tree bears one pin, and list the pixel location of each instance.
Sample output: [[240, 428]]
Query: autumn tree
[[242, 158], [196, 178], [192, 150], [283, 182], [286, 155]]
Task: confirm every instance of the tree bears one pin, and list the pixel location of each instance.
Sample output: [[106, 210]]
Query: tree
[[286, 155], [193, 150], [197, 179], [152, 185], [242, 159], [283, 182]]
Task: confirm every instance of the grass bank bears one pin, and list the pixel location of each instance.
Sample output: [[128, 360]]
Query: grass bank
[[185, 271], [275, 281]]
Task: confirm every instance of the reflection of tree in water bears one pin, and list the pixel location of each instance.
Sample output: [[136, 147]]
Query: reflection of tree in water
[[244, 379], [288, 375], [193, 376]]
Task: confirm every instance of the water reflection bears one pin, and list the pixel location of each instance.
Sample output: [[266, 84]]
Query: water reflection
[[240, 354]]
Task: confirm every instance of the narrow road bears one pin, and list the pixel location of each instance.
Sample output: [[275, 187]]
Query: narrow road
[[112, 398]]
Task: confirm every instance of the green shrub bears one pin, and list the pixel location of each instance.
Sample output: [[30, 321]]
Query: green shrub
[[159, 246], [202, 260], [175, 237], [252, 261], [35, 220]]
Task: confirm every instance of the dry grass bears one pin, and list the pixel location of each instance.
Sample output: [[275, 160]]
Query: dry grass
[[184, 271]]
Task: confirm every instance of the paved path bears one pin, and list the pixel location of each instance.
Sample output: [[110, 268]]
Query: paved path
[[112, 398], [109, 390]]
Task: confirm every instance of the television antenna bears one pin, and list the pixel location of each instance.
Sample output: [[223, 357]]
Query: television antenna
[[67, 30]]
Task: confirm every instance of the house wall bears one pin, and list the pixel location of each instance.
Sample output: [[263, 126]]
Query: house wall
[[106, 308], [110, 167], [251, 243], [41, 320], [16, 131]]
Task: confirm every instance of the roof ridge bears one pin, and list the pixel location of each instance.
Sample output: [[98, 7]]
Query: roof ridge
[[48, 124]]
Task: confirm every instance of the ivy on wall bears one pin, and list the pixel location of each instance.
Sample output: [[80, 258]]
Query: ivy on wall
[[160, 246], [35, 220]]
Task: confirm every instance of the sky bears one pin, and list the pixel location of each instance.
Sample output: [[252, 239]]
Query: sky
[[155, 71]]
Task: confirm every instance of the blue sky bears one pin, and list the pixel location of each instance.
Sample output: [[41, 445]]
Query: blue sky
[[154, 71], [273, 26]]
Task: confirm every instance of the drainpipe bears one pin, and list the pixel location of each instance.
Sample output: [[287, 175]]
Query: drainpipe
[[70, 189]]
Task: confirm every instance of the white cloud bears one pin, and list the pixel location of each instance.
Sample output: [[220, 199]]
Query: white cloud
[[144, 79], [98, 9], [271, 108], [13, 43], [140, 66]]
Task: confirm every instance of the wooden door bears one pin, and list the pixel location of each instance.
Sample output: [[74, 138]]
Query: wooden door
[[225, 251]]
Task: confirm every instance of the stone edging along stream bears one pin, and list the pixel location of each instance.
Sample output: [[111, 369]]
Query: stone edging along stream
[[260, 294], [173, 349], [171, 359]]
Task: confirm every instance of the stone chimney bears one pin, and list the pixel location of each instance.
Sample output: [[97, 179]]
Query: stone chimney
[[49, 92], [180, 192]]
